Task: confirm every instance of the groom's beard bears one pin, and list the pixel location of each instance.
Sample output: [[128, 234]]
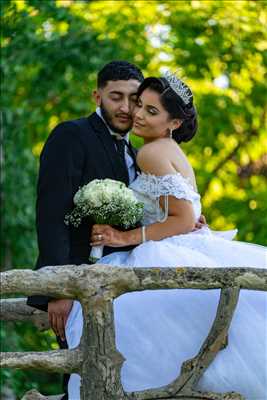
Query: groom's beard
[[108, 117]]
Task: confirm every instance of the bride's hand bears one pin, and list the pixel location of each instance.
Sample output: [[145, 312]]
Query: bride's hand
[[107, 236]]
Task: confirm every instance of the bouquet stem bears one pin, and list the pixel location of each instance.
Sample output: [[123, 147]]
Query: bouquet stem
[[96, 253]]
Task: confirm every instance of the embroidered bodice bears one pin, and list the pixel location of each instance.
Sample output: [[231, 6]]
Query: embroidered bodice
[[148, 189]]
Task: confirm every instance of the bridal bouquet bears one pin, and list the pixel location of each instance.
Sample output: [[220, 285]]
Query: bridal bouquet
[[105, 201]]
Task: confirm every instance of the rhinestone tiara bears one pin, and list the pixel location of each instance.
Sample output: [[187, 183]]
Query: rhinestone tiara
[[179, 87]]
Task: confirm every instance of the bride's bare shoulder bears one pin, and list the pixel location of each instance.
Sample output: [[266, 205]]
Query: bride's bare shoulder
[[156, 158]]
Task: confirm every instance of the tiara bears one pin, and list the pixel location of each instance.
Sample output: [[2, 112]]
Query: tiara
[[179, 87]]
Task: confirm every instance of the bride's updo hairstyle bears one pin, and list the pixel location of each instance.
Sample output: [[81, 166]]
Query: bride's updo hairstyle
[[175, 106]]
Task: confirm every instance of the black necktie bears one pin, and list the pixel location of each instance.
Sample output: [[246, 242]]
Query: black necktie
[[120, 144]]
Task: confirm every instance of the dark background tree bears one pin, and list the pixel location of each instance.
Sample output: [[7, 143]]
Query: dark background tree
[[50, 54]]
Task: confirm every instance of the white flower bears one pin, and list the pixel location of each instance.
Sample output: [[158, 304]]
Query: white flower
[[106, 201]]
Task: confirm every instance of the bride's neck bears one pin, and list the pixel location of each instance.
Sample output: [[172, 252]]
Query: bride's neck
[[150, 140]]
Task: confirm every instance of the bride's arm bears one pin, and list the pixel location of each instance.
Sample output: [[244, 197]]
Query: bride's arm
[[180, 220], [180, 212]]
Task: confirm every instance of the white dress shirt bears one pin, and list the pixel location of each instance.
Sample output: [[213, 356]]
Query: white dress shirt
[[128, 157]]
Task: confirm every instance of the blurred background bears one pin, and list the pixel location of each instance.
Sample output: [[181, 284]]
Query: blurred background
[[50, 54]]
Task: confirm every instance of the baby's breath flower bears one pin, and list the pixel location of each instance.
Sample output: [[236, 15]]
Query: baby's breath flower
[[106, 201]]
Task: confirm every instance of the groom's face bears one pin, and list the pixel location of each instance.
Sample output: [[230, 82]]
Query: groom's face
[[117, 101]]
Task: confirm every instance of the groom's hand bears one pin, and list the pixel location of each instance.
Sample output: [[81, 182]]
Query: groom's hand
[[58, 311], [200, 223]]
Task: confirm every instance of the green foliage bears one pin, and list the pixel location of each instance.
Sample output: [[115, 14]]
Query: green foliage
[[51, 51]]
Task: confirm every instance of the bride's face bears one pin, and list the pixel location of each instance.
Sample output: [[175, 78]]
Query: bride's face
[[151, 120]]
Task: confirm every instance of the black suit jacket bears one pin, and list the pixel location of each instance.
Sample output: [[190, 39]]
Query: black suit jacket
[[75, 153]]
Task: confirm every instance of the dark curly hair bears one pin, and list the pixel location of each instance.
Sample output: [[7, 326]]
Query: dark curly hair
[[118, 70], [175, 106]]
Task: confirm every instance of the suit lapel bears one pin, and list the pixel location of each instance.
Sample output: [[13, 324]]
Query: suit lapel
[[107, 142]]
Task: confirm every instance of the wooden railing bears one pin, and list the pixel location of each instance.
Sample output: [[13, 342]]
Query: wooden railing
[[96, 359]]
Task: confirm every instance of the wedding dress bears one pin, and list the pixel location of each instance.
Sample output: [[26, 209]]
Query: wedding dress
[[156, 330]]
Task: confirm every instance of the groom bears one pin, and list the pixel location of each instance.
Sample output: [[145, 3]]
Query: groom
[[75, 153]]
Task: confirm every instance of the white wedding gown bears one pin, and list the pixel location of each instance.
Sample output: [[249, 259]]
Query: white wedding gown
[[156, 330]]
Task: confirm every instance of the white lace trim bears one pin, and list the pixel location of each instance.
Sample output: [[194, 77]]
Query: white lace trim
[[172, 184]]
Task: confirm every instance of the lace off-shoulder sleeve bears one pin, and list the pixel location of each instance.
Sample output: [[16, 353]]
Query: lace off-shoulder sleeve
[[168, 185], [149, 188]]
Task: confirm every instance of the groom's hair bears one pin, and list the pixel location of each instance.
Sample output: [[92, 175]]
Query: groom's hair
[[118, 70]]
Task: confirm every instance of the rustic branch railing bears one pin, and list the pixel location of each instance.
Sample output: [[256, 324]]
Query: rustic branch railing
[[96, 359]]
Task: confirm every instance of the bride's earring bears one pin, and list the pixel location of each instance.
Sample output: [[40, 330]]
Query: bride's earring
[[170, 134]]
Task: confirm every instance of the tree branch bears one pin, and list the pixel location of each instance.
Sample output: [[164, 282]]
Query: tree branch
[[50, 361], [86, 281], [18, 311], [35, 395]]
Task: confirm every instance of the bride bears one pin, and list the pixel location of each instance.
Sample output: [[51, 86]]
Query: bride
[[157, 330]]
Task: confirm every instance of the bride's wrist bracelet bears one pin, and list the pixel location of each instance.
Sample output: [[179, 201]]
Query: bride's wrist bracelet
[[143, 233]]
